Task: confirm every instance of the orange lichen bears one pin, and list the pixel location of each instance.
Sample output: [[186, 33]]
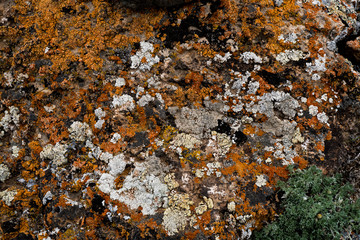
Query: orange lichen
[[55, 128], [35, 148], [145, 227], [320, 146]]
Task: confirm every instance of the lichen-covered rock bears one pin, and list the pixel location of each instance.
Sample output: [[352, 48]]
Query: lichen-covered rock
[[129, 120]]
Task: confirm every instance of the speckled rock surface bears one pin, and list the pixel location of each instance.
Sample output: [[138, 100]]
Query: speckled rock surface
[[123, 122]]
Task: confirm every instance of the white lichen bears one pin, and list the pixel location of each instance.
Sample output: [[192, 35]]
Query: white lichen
[[220, 144], [238, 107], [50, 108], [322, 117], [48, 197], [117, 164], [55, 153], [145, 52], [9, 78], [123, 102], [253, 86], [115, 138], [201, 208], [313, 110], [169, 179], [15, 151], [319, 65], [174, 220], [80, 131], [209, 202], [278, 3], [222, 59], [95, 151], [119, 82], [246, 57], [143, 187], [4, 173], [213, 168], [315, 77], [144, 100], [10, 118], [199, 173], [196, 121], [261, 180], [100, 113], [7, 196], [290, 55], [106, 156], [99, 124], [275, 99], [240, 80], [297, 137], [288, 38], [231, 206]]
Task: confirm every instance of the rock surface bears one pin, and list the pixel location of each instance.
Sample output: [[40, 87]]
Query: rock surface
[[123, 122]]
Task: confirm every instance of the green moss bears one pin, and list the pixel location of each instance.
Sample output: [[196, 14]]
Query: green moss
[[315, 207]]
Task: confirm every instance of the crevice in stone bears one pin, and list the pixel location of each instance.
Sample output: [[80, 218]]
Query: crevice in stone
[[349, 53]]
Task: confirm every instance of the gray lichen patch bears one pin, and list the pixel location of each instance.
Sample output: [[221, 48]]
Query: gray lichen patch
[[279, 127], [4, 173], [80, 131], [10, 119], [276, 99], [290, 55], [143, 187], [117, 164], [7, 196], [196, 121], [55, 153], [124, 102]]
